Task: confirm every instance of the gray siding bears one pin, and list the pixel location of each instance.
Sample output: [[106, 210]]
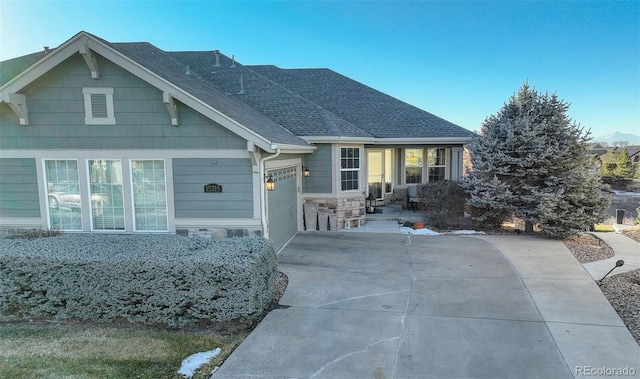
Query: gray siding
[[18, 188], [320, 166], [191, 175], [56, 116]]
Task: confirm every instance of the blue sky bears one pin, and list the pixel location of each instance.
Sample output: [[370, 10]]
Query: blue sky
[[460, 60]]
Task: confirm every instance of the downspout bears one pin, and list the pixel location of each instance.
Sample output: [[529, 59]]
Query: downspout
[[263, 195]]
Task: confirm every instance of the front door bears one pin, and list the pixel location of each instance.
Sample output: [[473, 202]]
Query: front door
[[379, 172]]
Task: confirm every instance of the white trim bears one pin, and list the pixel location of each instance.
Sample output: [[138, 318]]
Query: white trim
[[388, 141], [338, 139], [166, 194], [142, 153], [89, 119], [360, 169], [283, 163]]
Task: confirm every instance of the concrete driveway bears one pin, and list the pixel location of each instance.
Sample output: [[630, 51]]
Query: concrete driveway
[[364, 305]]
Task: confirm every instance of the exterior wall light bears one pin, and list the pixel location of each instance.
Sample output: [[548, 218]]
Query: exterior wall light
[[270, 184], [306, 171]]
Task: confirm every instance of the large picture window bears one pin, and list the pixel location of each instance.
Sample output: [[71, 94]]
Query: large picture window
[[349, 168], [107, 204], [63, 194], [149, 195]]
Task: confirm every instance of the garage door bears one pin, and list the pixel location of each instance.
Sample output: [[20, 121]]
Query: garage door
[[282, 210]]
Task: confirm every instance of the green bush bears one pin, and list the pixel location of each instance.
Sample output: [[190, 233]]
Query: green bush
[[442, 201], [152, 279]]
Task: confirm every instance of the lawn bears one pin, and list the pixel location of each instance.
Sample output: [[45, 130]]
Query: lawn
[[77, 350]]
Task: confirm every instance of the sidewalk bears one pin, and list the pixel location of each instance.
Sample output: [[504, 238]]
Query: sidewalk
[[624, 248]]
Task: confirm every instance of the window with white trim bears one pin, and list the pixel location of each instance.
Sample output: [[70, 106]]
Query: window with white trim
[[98, 106], [413, 163], [431, 162], [149, 195], [105, 186], [436, 164], [63, 194], [349, 168]]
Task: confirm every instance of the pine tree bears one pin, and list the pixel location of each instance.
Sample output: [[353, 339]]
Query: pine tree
[[624, 166], [530, 160], [608, 164]]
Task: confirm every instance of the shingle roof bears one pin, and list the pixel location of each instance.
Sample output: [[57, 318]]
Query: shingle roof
[[375, 112], [281, 105], [165, 65], [297, 114], [12, 67]]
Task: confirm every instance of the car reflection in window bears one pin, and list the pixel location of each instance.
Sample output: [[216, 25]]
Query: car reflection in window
[[68, 196]]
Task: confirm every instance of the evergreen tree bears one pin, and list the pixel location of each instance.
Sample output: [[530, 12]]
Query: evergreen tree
[[624, 166], [531, 160], [609, 162]]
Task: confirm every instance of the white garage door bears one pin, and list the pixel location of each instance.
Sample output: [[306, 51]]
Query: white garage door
[[282, 210]]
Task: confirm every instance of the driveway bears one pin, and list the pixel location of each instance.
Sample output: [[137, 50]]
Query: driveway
[[364, 305]]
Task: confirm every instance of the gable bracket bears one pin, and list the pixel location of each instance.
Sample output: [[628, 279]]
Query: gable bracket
[[251, 148], [170, 103], [91, 60], [18, 104]]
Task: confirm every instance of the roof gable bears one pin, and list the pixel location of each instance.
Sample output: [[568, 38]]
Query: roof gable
[[160, 70]]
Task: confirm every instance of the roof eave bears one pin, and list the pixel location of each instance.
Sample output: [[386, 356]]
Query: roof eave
[[337, 139]]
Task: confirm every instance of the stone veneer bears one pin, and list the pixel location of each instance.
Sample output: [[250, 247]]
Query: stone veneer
[[219, 233], [342, 207]]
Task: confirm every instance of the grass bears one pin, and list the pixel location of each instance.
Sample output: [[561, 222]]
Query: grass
[[603, 228], [68, 350]]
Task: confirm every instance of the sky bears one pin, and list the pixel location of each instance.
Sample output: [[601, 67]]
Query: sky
[[460, 60]]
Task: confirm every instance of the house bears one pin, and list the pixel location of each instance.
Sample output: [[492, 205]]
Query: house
[[98, 136]]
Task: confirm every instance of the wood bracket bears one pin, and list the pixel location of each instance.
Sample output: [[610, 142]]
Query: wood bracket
[[91, 60], [18, 104], [170, 103], [251, 148]]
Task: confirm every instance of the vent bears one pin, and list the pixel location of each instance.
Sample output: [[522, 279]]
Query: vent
[[217, 54], [99, 105]]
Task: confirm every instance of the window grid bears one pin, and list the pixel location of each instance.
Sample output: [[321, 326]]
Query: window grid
[[107, 202], [413, 163], [149, 195], [349, 168], [436, 162], [63, 195]]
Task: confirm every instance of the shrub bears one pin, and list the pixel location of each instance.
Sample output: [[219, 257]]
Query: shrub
[[442, 201], [152, 279]]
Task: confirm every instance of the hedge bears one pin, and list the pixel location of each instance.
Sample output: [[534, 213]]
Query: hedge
[[151, 279]]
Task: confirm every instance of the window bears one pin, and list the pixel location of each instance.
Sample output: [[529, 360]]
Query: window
[[436, 162], [149, 195], [98, 106], [63, 194], [349, 168], [107, 205], [413, 163]]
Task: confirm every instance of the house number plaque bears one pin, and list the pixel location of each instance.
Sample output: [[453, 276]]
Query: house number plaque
[[212, 188]]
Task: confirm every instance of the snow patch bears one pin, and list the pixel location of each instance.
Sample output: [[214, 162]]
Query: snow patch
[[429, 232], [421, 232], [466, 232], [193, 362]]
